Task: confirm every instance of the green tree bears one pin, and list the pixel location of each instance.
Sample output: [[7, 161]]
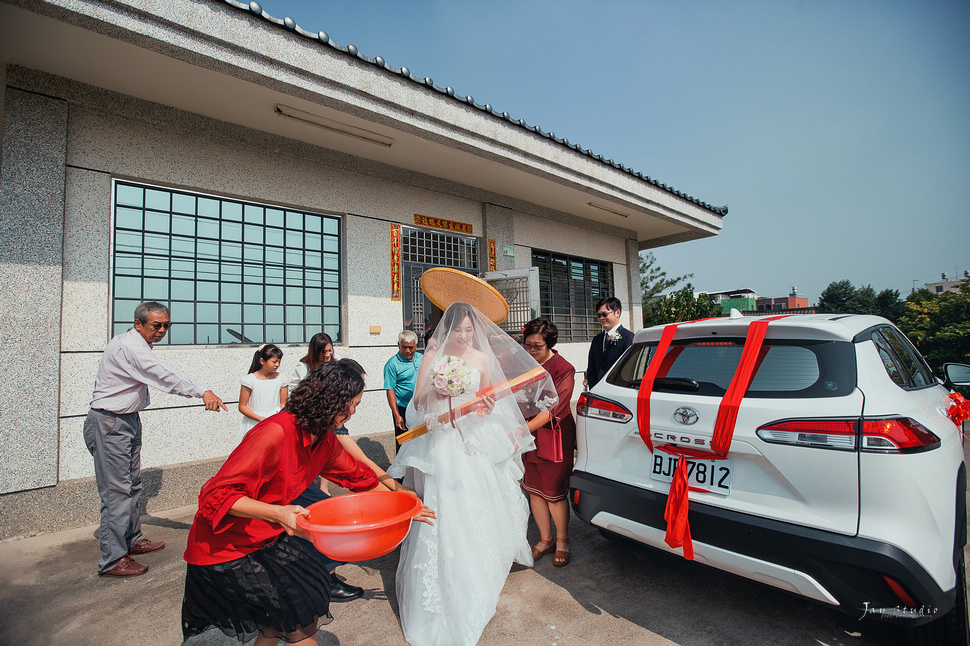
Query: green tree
[[653, 282], [921, 295], [939, 325], [836, 298], [864, 301], [682, 305], [842, 298], [889, 305]]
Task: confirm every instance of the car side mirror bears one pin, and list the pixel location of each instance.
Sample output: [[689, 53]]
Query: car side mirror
[[957, 374]]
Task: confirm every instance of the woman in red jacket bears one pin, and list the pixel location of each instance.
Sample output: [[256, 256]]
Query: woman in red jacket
[[247, 576]]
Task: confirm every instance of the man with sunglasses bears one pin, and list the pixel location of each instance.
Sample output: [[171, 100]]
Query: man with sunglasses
[[608, 345], [112, 433]]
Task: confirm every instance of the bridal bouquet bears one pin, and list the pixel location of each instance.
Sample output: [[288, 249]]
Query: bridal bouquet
[[450, 376]]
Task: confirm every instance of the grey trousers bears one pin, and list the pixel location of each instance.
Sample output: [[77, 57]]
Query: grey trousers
[[115, 442]]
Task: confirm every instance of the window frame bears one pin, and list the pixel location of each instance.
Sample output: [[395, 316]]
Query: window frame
[[206, 256], [424, 246], [892, 343], [576, 316]]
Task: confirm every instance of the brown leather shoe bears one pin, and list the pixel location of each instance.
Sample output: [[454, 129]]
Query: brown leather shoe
[[127, 566], [144, 546]]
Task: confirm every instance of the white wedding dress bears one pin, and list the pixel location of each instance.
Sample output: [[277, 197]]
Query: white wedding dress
[[450, 574]]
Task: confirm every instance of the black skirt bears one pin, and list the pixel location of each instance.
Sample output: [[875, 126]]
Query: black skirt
[[279, 591]]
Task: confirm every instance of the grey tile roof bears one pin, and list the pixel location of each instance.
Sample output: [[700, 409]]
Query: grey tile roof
[[351, 50]]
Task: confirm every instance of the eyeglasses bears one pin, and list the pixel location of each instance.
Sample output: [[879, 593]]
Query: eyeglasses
[[535, 346], [603, 315], [158, 326]]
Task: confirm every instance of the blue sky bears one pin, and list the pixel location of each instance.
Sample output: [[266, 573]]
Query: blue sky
[[838, 132]]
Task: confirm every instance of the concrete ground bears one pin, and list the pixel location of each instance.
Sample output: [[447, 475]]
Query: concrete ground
[[614, 594]]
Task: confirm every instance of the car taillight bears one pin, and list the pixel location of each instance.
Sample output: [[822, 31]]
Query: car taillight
[[596, 408], [838, 434], [897, 435], [888, 435]]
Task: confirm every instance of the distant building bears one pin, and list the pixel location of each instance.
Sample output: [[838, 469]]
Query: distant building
[[947, 285], [791, 302], [743, 300]]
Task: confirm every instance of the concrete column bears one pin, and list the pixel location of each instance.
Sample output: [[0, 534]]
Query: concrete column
[[3, 95], [31, 264], [635, 297], [498, 223]]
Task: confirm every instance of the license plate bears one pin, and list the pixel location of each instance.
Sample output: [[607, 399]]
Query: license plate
[[713, 476]]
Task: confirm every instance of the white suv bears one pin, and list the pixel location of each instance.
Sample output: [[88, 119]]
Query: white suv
[[844, 481]]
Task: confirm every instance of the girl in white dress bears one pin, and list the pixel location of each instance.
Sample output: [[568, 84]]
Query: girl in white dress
[[263, 391], [468, 468]]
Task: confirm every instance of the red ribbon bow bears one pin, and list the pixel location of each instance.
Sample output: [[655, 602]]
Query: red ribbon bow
[[959, 410]]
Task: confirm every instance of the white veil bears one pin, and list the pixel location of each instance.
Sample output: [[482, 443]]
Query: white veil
[[521, 389]]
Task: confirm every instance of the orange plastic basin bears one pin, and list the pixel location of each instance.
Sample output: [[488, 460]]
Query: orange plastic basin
[[360, 526]]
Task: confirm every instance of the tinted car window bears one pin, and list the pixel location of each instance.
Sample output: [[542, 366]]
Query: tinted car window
[[889, 361], [915, 372], [788, 369]]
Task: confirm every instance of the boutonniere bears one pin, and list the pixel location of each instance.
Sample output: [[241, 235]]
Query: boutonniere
[[614, 336]]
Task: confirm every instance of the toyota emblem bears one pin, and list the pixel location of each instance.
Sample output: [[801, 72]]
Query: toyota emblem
[[686, 415]]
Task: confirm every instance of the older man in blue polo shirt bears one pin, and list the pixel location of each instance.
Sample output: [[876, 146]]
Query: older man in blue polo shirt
[[400, 375]]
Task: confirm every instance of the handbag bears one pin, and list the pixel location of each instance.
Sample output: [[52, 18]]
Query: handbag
[[549, 441]]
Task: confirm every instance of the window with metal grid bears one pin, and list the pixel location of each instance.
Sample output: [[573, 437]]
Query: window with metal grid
[[439, 249], [569, 288], [229, 271], [516, 294]]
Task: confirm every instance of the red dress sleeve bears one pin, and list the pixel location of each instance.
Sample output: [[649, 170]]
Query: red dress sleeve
[[565, 382], [247, 472], [343, 469]]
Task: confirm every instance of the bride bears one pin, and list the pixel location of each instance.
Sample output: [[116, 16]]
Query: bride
[[468, 468]]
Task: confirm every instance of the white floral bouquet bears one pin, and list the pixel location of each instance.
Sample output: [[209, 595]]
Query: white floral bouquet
[[450, 376]]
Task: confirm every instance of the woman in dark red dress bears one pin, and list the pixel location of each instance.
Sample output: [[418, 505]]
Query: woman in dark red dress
[[547, 481]]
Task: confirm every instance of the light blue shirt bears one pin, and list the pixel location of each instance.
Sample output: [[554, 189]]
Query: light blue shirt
[[400, 375]]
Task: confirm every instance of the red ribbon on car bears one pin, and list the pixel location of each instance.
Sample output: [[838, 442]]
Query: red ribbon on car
[[646, 384], [959, 410], [675, 513], [751, 358]]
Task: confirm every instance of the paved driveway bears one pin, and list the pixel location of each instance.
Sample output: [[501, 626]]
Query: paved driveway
[[614, 594]]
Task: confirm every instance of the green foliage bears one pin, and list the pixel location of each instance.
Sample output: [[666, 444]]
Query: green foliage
[[842, 298], [939, 325], [836, 298], [654, 281], [889, 305], [681, 305], [864, 301]]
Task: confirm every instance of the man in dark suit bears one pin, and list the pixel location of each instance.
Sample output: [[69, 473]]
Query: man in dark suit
[[608, 345]]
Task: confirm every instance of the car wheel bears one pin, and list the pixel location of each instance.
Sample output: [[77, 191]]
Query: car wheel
[[952, 628]]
